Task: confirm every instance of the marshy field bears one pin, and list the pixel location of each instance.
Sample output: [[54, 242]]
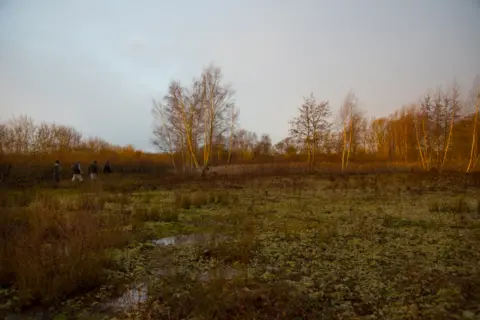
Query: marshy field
[[306, 246]]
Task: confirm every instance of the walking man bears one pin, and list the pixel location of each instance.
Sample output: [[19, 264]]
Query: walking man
[[93, 170], [77, 172], [57, 172], [107, 169]]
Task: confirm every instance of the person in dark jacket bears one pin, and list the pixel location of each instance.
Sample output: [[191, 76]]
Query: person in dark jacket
[[57, 172], [93, 170], [77, 172], [107, 168]]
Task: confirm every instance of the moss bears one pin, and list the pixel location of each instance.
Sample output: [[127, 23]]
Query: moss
[[375, 247]]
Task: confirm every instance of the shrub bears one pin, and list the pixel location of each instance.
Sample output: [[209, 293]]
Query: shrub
[[434, 206], [199, 199], [210, 197], [182, 201], [169, 215], [141, 213], [222, 198]]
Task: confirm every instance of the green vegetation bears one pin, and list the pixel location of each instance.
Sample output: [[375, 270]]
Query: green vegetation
[[390, 246]]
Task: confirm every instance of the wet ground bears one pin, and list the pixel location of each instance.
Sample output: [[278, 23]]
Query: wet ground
[[134, 293]]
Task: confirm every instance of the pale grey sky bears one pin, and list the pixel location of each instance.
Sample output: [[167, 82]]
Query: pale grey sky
[[97, 65]]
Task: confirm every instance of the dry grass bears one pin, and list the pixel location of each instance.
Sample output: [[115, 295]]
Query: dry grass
[[198, 199], [47, 252], [347, 247], [309, 247], [156, 213]]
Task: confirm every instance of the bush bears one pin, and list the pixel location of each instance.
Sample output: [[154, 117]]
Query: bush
[[199, 199], [182, 201], [211, 197], [169, 215], [222, 198], [141, 213]]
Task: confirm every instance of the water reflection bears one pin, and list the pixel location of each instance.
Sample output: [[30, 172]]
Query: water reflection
[[185, 239], [134, 296]]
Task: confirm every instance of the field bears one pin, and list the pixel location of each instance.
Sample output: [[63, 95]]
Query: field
[[370, 246]]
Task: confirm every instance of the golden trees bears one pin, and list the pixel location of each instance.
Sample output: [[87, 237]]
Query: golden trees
[[188, 118]]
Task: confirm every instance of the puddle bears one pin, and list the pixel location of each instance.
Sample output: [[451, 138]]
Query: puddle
[[134, 296], [137, 293], [129, 300], [185, 239]]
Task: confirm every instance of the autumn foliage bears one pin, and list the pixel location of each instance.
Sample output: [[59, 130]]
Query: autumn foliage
[[196, 126], [28, 151]]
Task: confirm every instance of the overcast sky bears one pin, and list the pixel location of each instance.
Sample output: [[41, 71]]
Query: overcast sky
[[97, 65]]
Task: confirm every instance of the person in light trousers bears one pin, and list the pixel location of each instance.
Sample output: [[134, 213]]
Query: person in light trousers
[[77, 172], [93, 170]]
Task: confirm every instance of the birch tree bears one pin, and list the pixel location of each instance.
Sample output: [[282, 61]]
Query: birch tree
[[164, 130], [434, 126], [350, 116], [308, 127], [218, 104], [451, 109], [379, 132], [233, 119], [473, 150], [188, 118]]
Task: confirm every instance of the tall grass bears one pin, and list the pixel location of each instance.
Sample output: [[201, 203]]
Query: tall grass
[[47, 252]]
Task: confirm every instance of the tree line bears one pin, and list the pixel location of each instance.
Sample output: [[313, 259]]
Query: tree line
[[29, 149], [198, 123], [22, 135]]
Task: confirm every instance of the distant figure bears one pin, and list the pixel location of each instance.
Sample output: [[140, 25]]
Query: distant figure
[[204, 170], [57, 172], [93, 170], [107, 169], [77, 172]]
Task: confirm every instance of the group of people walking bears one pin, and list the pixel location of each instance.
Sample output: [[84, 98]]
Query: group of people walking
[[93, 170]]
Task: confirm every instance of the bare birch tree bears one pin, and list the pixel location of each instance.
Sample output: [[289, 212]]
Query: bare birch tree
[[164, 130], [473, 150], [308, 127], [218, 104], [188, 118], [434, 126], [233, 122], [350, 116]]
